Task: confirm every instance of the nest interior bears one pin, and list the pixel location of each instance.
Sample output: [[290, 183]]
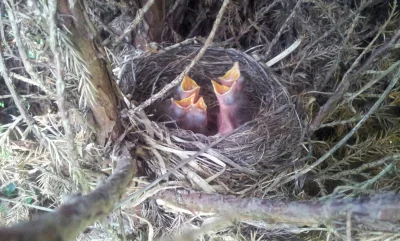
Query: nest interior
[[268, 138]]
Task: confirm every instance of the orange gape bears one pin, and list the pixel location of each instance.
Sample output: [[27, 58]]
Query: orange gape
[[188, 87], [228, 93], [190, 113]]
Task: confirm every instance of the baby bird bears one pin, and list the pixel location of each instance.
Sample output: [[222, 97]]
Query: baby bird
[[230, 97], [227, 107], [190, 115], [188, 87], [179, 108], [231, 76], [196, 118]]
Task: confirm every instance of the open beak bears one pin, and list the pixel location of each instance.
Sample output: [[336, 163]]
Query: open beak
[[188, 87], [197, 115], [225, 94], [227, 106], [190, 115], [179, 108], [233, 75]]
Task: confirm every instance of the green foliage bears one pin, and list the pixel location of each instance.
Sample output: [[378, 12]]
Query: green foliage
[[10, 190], [4, 154]]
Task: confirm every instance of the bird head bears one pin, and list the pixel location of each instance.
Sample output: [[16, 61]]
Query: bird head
[[225, 94], [179, 108], [188, 87], [197, 115], [231, 76], [227, 100]]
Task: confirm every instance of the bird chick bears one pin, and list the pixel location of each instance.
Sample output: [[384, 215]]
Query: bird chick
[[179, 108], [190, 115], [226, 97], [231, 76], [196, 118], [230, 99], [188, 87]]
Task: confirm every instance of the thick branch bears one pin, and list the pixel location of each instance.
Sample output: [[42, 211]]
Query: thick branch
[[105, 107], [384, 208], [78, 212]]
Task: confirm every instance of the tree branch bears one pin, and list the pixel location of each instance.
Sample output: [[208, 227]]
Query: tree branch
[[78, 212], [60, 85], [365, 210]]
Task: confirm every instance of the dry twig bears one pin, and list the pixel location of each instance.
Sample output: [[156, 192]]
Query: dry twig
[[139, 17], [178, 79], [60, 85], [366, 210], [329, 107], [22, 52], [393, 82], [284, 25]]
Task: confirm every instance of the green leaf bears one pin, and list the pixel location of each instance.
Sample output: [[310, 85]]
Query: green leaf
[[29, 200], [10, 190], [31, 54]]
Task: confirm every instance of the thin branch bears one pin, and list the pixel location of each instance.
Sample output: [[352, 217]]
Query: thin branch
[[379, 52], [341, 122], [284, 25], [393, 82], [24, 79], [340, 54], [22, 52], [383, 208], [329, 107], [361, 168], [26, 204], [178, 79], [31, 96], [340, 23], [139, 17], [77, 212], [183, 43], [374, 81], [3, 35], [60, 85], [17, 99]]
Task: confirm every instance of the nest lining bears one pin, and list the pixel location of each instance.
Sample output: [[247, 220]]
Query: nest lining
[[269, 138]]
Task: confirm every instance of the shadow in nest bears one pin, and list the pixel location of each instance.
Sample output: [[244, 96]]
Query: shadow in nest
[[268, 139]]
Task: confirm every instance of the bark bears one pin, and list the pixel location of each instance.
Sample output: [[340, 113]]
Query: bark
[[106, 106], [152, 27], [377, 209], [155, 19], [78, 212]]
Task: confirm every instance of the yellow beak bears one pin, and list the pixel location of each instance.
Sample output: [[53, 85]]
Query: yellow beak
[[181, 107], [225, 94], [188, 87], [227, 107], [231, 76]]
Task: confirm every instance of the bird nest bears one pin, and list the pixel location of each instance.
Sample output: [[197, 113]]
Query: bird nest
[[267, 140]]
